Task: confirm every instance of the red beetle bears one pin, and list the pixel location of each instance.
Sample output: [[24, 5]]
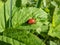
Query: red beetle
[[31, 21]]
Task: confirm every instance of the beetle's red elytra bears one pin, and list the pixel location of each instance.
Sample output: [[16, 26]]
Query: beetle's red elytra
[[31, 21]]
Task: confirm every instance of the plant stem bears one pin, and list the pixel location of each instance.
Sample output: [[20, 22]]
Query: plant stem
[[10, 19], [52, 9], [5, 15], [38, 3], [44, 2]]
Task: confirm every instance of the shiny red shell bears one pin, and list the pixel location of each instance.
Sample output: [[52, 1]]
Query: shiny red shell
[[31, 21]]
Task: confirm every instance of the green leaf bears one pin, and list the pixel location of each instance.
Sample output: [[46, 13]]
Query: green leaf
[[52, 43], [23, 36], [2, 24], [24, 2], [10, 40], [21, 17], [55, 26], [54, 32], [18, 3]]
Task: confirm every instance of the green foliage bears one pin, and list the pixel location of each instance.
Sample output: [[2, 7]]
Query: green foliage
[[52, 43], [46, 30], [4, 0], [20, 19], [18, 3], [2, 24], [38, 3], [23, 36], [55, 26], [9, 41]]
